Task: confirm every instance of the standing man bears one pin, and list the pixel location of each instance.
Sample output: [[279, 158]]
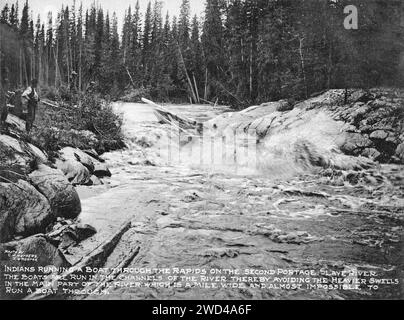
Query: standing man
[[31, 95]]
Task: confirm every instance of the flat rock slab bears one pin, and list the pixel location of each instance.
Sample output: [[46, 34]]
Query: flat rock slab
[[108, 212]]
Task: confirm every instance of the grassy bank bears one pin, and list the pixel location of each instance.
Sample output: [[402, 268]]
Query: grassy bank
[[82, 121]]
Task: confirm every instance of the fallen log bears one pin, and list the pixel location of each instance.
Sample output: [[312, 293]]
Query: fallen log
[[125, 262], [49, 104], [95, 259]]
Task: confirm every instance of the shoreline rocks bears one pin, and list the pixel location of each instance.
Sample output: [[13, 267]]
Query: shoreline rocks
[[62, 196], [33, 195], [24, 211], [370, 124], [82, 167]]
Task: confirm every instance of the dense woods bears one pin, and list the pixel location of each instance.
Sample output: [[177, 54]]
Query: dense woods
[[241, 52]]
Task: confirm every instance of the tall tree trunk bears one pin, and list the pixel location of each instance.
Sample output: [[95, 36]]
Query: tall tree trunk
[[186, 74], [56, 63], [205, 96], [196, 89], [251, 71], [25, 69], [80, 70], [47, 66], [20, 68], [1, 67], [301, 40], [330, 66]]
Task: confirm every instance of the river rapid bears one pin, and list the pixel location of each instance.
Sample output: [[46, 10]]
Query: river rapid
[[189, 216]]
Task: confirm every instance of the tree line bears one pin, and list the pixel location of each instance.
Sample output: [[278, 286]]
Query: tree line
[[241, 52]]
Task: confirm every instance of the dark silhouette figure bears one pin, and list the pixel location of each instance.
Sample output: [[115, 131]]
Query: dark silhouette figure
[[31, 95]]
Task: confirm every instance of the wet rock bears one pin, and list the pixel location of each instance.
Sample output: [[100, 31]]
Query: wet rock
[[92, 153], [354, 143], [80, 165], [15, 152], [144, 142], [280, 236], [67, 239], [40, 246], [400, 153], [146, 163], [379, 135], [358, 112], [67, 235], [191, 196], [95, 181], [304, 193], [101, 170], [284, 106], [62, 196], [72, 154], [221, 253], [75, 172], [371, 153], [35, 251], [84, 231], [23, 211]]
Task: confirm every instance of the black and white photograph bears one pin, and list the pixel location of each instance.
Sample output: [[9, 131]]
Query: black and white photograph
[[201, 150]]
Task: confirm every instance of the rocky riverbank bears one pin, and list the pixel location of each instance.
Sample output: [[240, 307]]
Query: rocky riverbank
[[39, 203], [368, 124]]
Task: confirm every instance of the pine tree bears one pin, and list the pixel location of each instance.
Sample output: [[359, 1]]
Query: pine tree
[[213, 48], [196, 66], [24, 25], [147, 40], [184, 25], [5, 12]]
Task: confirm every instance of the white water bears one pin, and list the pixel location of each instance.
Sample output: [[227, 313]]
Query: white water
[[189, 216]]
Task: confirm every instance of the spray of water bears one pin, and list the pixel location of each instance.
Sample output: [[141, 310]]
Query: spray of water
[[285, 151]]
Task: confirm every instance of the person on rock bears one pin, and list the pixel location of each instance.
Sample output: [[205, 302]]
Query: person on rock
[[32, 97]]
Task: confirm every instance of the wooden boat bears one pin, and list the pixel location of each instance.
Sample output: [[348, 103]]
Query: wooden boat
[[167, 117]]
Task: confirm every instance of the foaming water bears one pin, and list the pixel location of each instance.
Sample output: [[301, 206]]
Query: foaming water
[[205, 209], [286, 150]]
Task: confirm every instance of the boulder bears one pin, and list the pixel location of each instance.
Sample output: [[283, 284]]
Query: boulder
[[15, 122], [371, 153], [24, 211], [92, 153], [33, 252], [62, 196], [400, 153], [14, 151], [355, 143], [84, 231], [43, 248], [284, 106], [95, 181], [75, 172], [379, 135], [73, 154], [70, 234], [80, 165]]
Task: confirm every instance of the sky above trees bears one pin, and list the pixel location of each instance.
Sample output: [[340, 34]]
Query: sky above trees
[[42, 7]]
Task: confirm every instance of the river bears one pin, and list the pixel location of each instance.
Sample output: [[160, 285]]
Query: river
[[199, 218]]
